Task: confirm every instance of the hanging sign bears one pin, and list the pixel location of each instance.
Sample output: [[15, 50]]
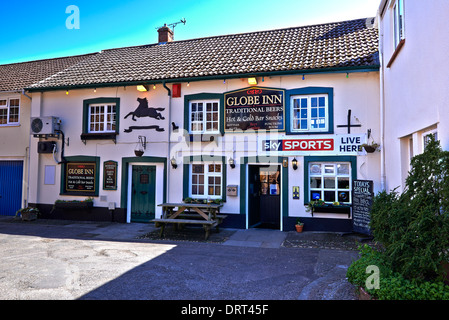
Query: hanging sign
[[362, 199], [254, 108], [344, 144], [110, 175], [80, 177]]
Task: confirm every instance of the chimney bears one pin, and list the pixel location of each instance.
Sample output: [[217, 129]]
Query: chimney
[[165, 34]]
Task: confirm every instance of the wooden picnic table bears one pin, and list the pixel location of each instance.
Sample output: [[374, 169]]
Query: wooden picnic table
[[207, 215]]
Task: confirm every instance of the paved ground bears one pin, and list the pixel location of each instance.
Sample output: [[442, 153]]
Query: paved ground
[[66, 260]]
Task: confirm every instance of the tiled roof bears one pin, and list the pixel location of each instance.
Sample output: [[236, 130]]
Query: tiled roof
[[17, 76], [348, 44]]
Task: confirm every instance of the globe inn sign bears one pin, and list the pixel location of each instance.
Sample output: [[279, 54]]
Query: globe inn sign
[[254, 108]]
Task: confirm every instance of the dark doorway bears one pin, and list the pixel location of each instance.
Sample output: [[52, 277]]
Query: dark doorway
[[264, 200]]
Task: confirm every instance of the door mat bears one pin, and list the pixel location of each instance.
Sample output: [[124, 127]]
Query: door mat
[[189, 234]]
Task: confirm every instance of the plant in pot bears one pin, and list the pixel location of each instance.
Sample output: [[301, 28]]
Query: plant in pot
[[28, 213], [299, 225]]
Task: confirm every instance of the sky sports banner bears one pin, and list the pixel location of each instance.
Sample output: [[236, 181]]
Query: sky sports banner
[[338, 144]]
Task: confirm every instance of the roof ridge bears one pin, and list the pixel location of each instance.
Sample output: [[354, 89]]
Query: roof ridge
[[236, 34]]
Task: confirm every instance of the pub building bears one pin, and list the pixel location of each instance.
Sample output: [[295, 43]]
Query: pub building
[[265, 121]]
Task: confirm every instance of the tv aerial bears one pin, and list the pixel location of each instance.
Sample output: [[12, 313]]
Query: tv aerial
[[174, 24]]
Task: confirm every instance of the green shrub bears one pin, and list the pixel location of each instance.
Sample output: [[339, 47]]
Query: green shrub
[[413, 227], [392, 285]]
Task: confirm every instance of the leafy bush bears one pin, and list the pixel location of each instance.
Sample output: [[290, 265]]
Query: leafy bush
[[392, 285], [413, 230], [413, 227]]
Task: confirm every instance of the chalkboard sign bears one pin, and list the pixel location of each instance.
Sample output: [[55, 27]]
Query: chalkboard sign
[[362, 199], [80, 178], [110, 175]]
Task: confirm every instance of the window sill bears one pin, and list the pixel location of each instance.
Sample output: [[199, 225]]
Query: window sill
[[341, 209], [99, 136], [9, 125], [396, 52], [204, 137]]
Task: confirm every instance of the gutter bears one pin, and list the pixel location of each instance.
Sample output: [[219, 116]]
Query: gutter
[[382, 111]]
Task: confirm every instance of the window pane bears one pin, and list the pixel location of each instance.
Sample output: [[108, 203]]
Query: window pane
[[343, 183], [329, 168], [329, 183], [342, 168], [315, 169], [315, 195], [315, 182], [343, 196], [329, 196]]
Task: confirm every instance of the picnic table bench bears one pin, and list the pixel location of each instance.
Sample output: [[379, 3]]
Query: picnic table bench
[[206, 215]]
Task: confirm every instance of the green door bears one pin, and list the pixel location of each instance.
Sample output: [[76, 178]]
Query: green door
[[143, 193]]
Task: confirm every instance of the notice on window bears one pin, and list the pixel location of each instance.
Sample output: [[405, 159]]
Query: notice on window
[[362, 199], [254, 109], [80, 177]]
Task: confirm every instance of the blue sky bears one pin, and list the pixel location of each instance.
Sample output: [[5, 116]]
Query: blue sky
[[31, 30]]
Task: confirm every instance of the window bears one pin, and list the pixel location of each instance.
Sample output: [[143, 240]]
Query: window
[[102, 118], [9, 111], [426, 137], [330, 182], [206, 180], [310, 113], [398, 22], [204, 116]]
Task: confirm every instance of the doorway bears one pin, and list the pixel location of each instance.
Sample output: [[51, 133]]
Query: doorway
[[143, 193], [264, 200]]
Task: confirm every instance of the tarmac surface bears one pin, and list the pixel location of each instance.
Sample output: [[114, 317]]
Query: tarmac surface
[[70, 260]]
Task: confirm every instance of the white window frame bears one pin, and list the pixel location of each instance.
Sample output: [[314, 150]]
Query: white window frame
[[309, 118], [425, 135], [105, 121], [329, 176], [205, 184], [7, 107], [398, 22], [204, 121]]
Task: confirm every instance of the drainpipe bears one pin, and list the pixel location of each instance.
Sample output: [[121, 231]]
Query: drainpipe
[[169, 144], [382, 109]]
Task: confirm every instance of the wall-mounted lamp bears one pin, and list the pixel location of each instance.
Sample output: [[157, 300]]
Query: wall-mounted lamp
[[252, 81], [142, 88], [295, 164], [173, 163], [231, 163]]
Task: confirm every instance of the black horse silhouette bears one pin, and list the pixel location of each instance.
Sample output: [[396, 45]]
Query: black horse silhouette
[[144, 111]]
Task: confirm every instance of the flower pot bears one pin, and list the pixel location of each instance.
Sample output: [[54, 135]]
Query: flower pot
[[28, 216], [299, 227], [369, 149], [138, 153]]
